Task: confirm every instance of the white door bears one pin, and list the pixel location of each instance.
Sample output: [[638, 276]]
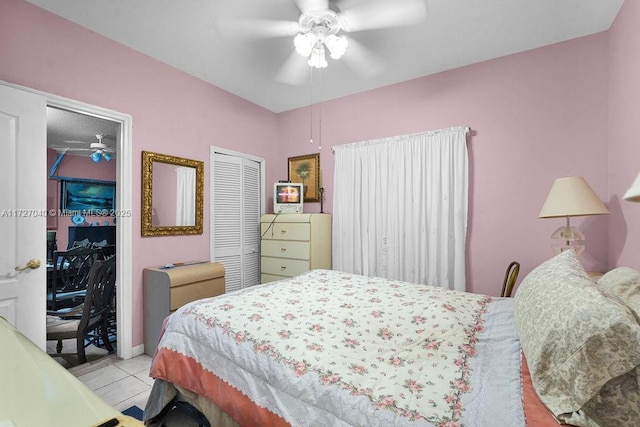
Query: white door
[[23, 200], [236, 205]]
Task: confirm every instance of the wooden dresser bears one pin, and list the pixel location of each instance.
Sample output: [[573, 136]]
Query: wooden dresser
[[167, 289], [294, 243]]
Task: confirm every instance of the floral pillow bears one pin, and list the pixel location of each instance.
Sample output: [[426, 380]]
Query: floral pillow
[[583, 347], [623, 282]]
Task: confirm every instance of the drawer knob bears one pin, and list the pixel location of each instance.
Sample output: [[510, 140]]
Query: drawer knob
[[283, 231], [283, 249], [283, 267]]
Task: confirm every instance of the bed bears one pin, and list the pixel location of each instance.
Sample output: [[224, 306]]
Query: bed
[[328, 348]]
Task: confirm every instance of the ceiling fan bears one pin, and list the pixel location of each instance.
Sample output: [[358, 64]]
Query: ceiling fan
[[96, 150], [327, 26]]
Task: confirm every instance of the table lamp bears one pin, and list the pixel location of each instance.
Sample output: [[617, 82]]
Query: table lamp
[[571, 196], [633, 193]]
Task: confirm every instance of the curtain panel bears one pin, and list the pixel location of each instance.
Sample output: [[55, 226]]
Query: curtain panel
[[186, 196], [400, 207]]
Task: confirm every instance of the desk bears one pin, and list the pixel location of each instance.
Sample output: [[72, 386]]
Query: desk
[[37, 391]]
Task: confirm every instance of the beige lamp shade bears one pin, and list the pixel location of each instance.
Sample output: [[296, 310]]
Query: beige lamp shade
[[572, 196], [633, 193]]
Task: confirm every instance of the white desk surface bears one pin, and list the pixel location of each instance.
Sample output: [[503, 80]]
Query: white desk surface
[[35, 390]]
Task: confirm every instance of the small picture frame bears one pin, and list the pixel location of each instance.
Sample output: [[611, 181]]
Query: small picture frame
[[306, 170]]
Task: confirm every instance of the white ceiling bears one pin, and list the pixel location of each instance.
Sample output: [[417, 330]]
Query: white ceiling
[[203, 38], [74, 133]]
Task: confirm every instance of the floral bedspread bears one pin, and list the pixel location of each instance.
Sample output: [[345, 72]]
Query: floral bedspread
[[405, 348]]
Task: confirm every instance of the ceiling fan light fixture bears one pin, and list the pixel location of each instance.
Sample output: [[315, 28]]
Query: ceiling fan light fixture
[[317, 58], [96, 156], [107, 157], [304, 43], [318, 29], [337, 45]]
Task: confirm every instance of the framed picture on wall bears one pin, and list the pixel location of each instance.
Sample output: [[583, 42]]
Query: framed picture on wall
[[306, 170], [87, 197]]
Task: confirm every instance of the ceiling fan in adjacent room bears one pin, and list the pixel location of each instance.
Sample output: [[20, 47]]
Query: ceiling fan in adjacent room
[[327, 27], [96, 150], [101, 151]]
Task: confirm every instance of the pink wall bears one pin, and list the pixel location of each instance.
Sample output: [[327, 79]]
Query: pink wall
[[76, 167], [624, 150], [173, 113], [535, 116]]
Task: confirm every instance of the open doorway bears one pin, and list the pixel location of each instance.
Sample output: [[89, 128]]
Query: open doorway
[[81, 187], [124, 197]]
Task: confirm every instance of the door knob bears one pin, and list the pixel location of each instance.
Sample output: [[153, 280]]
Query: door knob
[[32, 263]]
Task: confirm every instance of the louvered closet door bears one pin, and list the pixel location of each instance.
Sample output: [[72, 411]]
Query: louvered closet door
[[235, 219], [251, 222]]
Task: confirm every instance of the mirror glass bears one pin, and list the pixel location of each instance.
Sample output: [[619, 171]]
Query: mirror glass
[[172, 195]]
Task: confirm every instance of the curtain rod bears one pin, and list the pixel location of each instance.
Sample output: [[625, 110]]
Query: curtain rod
[[466, 128]]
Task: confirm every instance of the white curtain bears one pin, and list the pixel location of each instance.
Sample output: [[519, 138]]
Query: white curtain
[[186, 196], [400, 207]]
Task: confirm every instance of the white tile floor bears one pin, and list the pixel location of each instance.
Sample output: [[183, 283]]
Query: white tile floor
[[120, 383]]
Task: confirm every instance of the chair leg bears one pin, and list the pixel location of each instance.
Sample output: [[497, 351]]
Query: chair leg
[[59, 347], [105, 338], [82, 357]]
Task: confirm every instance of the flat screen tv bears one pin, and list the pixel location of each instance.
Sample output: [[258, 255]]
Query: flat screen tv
[[88, 197], [287, 197]]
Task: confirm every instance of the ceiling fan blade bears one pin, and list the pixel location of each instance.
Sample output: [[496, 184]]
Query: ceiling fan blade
[[376, 14], [295, 70], [362, 60], [306, 6], [234, 28], [77, 142], [68, 148]]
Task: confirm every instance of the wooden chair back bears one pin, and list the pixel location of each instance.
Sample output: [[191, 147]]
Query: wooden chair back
[[106, 251], [100, 296], [67, 286], [510, 277]]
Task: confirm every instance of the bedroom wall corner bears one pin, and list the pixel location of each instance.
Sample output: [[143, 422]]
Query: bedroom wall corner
[[623, 141]]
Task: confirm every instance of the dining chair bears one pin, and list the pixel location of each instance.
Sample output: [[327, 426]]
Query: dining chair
[[67, 283], [106, 251], [510, 277], [87, 323]]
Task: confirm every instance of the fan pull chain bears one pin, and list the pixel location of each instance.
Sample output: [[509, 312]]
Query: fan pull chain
[[320, 109], [311, 106]]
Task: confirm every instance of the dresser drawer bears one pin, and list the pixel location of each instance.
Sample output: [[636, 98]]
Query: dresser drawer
[[266, 278], [285, 249], [181, 295], [285, 231], [284, 266]]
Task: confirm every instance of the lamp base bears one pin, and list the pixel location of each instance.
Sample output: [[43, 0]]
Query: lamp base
[[558, 248], [566, 238]]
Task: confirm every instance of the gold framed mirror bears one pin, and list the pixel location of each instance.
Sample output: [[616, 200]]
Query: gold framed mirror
[[172, 195]]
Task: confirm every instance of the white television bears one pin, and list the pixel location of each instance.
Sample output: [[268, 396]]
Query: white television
[[287, 197]]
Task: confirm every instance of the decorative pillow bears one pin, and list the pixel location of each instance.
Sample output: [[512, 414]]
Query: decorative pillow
[[577, 340], [101, 244], [617, 404], [81, 243], [623, 282]]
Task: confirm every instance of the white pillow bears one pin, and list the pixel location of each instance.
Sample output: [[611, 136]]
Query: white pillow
[[582, 345], [623, 282]]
